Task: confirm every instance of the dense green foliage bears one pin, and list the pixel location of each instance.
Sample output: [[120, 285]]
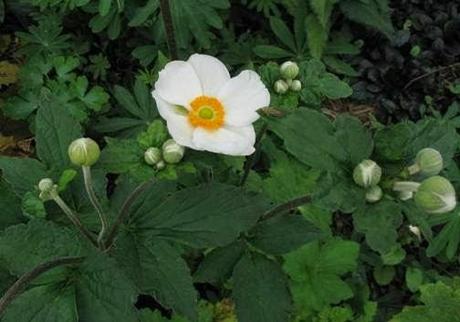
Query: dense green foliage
[[286, 234]]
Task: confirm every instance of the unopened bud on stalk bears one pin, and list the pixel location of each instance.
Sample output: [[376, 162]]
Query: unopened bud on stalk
[[296, 85], [374, 194], [436, 195], [367, 174], [289, 70], [47, 189], [152, 156], [172, 152], [281, 86], [160, 165], [428, 162], [84, 152]]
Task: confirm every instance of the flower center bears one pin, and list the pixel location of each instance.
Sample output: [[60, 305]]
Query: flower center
[[207, 112]]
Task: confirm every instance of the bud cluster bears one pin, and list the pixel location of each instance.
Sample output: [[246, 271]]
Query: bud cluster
[[170, 152], [289, 71], [367, 174], [434, 194]]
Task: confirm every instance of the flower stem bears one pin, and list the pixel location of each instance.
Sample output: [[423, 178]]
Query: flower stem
[[124, 212], [284, 207], [28, 277], [74, 219], [96, 205], [169, 28]]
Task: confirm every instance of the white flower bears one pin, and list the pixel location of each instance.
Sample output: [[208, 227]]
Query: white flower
[[206, 109]]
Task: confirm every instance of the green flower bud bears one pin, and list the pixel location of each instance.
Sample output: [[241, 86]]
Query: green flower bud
[[436, 195], [172, 152], [47, 188], [428, 162], [367, 174], [296, 85], [374, 194], [160, 165], [281, 86], [289, 70], [84, 152], [152, 156]]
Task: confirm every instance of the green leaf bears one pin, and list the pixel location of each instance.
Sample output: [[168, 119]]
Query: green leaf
[[283, 33], [10, 205], [323, 9], [143, 13], [23, 174], [33, 206], [195, 19], [55, 130], [282, 234], [204, 216], [380, 223], [24, 246], [218, 264], [440, 303], [260, 290], [155, 135], [446, 240], [120, 156], [104, 293], [271, 52], [414, 278], [104, 7], [333, 88], [140, 104], [315, 271], [50, 303], [317, 36], [340, 67], [373, 13], [158, 270]]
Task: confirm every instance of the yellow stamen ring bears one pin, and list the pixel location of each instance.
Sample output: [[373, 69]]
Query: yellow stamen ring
[[206, 112]]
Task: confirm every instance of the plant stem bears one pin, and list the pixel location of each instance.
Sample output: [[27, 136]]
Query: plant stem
[[95, 202], [250, 161], [124, 212], [169, 28], [284, 207], [25, 279], [74, 219]]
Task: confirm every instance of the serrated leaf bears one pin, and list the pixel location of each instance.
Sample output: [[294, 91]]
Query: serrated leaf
[[203, 216], [55, 130], [282, 234], [10, 205], [260, 290], [271, 52], [317, 36], [283, 33], [315, 271], [23, 174], [323, 9]]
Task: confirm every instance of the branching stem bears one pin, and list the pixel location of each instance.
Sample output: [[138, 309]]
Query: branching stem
[[284, 207]]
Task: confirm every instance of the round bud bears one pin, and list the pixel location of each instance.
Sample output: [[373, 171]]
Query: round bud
[[160, 165], [46, 185], [429, 161], [84, 152], [374, 194], [296, 85], [367, 174], [436, 195], [281, 86], [152, 156], [289, 70], [172, 152]]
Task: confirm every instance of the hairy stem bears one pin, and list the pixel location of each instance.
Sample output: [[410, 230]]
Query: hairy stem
[[124, 212], [74, 219], [169, 28], [95, 202], [251, 160], [284, 207], [19, 286]]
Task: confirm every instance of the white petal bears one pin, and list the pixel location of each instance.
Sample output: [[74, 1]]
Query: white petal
[[211, 72], [181, 130], [226, 140], [164, 108], [242, 96], [178, 83]]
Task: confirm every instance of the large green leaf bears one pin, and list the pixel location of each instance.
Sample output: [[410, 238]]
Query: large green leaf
[[315, 271], [23, 174], [55, 130], [260, 290], [10, 206], [50, 303], [158, 270], [380, 223], [203, 216]]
